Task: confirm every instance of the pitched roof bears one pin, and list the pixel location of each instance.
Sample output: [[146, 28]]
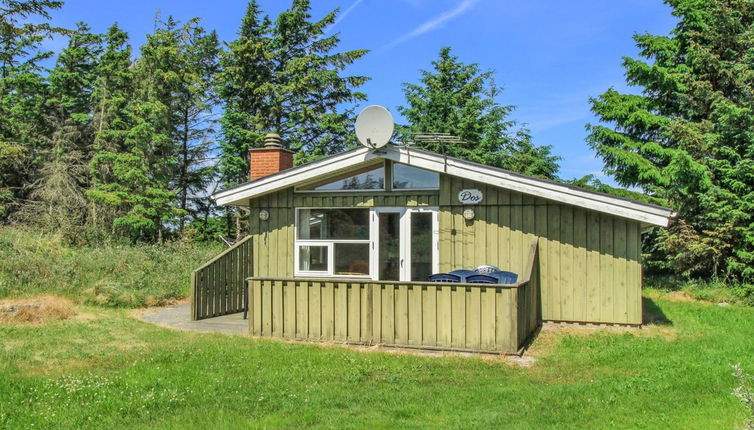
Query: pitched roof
[[569, 194]]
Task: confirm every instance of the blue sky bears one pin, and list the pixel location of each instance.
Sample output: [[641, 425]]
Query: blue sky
[[549, 55]]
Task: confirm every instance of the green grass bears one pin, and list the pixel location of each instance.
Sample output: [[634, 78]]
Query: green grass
[[109, 275], [109, 370]]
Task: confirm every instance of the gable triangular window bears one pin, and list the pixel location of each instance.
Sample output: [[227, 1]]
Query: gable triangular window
[[367, 178]]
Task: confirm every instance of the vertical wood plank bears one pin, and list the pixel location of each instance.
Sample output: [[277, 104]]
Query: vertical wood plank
[[517, 239], [267, 308], [579, 265], [446, 238], [444, 317], [429, 316], [473, 320], [415, 315], [354, 312], [302, 309], [458, 314], [606, 269], [504, 232], [328, 313], [487, 329], [553, 258], [388, 314], [377, 313], [289, 308], [620, 305], [593, 281], [480, 238], [277, 308], [401, 315], [315, 310], [566, 263], [633, 273], [341, 311]]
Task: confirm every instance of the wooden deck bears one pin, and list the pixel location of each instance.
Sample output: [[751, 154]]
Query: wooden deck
[[429, 315]]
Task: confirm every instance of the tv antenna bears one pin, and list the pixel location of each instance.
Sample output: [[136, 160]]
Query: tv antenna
[[374, 127]]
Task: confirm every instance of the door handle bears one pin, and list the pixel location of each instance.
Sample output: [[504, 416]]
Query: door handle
[[401, 263]]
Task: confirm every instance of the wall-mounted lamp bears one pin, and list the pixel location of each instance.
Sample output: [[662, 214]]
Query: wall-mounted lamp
[[468, 214], [264, 215]]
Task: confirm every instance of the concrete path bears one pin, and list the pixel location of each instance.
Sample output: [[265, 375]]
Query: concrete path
[[178, 317]]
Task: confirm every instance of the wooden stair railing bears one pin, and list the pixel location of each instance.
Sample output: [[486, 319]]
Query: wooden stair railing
[[218, 286]]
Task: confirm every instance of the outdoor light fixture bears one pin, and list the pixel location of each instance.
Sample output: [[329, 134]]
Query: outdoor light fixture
[[264, 215], [468, 214]]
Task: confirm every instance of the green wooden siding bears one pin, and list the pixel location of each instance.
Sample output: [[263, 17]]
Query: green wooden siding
[[414, 314], [589, 263]]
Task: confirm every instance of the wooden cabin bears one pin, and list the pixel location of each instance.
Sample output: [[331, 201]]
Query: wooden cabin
[[341, 249]]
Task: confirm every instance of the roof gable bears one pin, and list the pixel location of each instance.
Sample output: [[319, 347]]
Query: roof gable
[[605, 203]]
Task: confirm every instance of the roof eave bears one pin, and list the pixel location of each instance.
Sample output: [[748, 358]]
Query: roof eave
[[631, 209]]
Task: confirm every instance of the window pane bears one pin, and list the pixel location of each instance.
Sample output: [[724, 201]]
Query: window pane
[[327, 224], [421, 246], [389, 246], [312, 258], [351, 259], [369, 178], [407, 177]]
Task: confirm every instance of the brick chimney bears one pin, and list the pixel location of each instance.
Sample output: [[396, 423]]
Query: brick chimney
[[271, 159]]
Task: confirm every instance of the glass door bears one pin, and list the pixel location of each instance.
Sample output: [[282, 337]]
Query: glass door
[[420, 252], [389, 258], [405, 246]]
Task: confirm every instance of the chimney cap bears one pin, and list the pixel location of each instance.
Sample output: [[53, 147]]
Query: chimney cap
[[272, 140]]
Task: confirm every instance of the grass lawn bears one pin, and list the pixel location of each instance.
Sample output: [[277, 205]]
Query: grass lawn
[[106, 369]]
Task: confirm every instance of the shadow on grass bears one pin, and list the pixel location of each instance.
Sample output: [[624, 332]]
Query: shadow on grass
[[653, 314]]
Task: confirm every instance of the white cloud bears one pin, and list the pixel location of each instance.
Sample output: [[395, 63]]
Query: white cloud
[[432, 24]]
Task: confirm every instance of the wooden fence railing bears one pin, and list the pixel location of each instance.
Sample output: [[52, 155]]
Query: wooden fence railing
[[218, 286], [430, 315]]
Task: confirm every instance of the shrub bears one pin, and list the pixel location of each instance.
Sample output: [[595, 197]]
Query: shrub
[[116, 275]]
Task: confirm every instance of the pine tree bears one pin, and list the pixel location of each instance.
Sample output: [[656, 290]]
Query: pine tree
[[113, 94], [195, 130], [57, 200], [22, 95], [306, 87], [245, 69], [461, 100], [153, 143], [689, 136], [283, 76]]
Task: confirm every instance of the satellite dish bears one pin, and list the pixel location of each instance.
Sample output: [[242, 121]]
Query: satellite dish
[[374, 126]]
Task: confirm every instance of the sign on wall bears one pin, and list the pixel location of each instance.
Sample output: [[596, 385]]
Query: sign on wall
[[470, 196]]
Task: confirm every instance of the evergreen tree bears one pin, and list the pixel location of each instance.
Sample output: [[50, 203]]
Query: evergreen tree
[[153, 144], [195, 130], [306, 87], [57, 199], [22, 95], [284, 77], [461, 100], [113, 120], [688, 137], [245, 69]]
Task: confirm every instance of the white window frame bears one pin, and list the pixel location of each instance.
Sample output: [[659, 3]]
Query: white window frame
[[329, 244], [403, 190], [404, 214], [298, 188]]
